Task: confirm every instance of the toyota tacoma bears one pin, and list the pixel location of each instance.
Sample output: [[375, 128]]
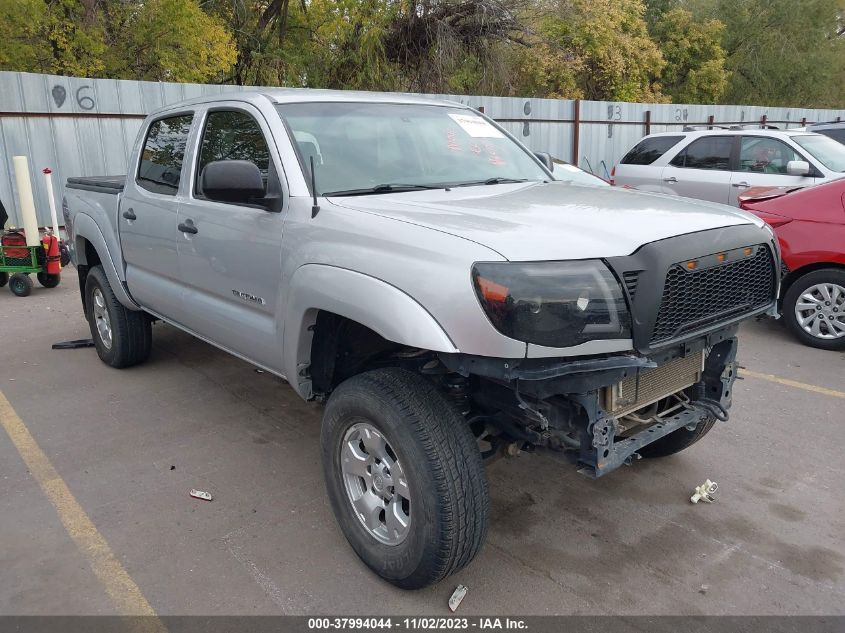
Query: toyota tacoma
[[411, 265]]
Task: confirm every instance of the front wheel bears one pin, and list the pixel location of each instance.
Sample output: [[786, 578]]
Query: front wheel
[[49, 281], [404, 477], [121, 336], [814, 309], [20, 284]]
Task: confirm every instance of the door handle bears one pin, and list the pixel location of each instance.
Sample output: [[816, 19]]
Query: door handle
[[129, 214], [188, 227], [740, 184], [672, 180]]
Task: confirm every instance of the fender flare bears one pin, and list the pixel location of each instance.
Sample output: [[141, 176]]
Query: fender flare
[[374, 303], [85, 228]]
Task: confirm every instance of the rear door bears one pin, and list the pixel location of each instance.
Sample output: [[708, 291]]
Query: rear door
[[762, 163], [701, 170], [638, 169], [231, 264], [147, 216]]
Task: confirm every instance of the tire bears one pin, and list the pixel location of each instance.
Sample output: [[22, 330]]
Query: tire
[[49, 281], [829, 338], [121, 336], [4, 279], [677, 441], [448, 507], [20, 284]]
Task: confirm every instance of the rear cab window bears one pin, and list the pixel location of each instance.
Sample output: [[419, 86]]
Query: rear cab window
[[707, 152], [650, 149], [160, 167], [837, 134]]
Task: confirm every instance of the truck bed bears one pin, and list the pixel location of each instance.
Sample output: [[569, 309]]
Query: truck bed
[[102, 184]]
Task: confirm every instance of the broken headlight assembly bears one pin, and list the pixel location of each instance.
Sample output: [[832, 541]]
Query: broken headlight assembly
[[556, 304]]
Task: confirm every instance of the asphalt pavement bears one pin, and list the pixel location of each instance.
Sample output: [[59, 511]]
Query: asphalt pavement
[[96, 465]]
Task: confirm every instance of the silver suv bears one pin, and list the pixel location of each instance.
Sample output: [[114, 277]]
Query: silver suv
[[718, 165]]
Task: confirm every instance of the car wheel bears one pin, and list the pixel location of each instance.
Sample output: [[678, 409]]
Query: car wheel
[[404, 477], [49, 281], [20, 284], [814, 309], [678, 440], [121, 336]]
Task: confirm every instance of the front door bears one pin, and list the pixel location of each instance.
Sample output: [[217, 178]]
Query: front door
[[701, 170], [762, 163], [147, 217], [230, 256]]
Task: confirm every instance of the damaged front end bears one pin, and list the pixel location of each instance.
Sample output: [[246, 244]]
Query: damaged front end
[[599, 412]]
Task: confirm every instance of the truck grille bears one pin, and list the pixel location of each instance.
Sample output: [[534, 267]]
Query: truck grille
[[693, 299]]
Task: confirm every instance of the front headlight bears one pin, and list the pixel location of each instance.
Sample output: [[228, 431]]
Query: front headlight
[[556, 304]]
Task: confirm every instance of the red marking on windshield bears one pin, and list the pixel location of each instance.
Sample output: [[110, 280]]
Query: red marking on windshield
[[452, 141]]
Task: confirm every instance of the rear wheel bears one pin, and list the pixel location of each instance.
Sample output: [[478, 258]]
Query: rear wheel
[[20, 284], [404, 477], [49, 281], [678, 440], [814, 309], [122, 337]]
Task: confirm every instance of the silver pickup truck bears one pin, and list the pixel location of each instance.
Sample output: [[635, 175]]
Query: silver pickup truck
[[416, 268]]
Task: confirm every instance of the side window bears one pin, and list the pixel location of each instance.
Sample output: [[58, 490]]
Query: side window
[[708, 152], [160, 168], [649, 150], [837, 134], [232, 135], [764, 155]]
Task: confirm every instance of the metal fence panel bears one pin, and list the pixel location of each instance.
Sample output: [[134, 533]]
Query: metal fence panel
[[87, 127]]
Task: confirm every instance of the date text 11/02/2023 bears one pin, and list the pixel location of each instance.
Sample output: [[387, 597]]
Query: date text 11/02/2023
[[418, 623]]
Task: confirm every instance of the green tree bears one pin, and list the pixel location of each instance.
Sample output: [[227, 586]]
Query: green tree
[[166, 40], [784, 53], [60, 37], [695, 60], [594, 49]]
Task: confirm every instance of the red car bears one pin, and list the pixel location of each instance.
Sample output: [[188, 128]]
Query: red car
[[810, 225]]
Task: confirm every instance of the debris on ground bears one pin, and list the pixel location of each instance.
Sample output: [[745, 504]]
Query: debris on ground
[[173, 468], [705, 492], [200, 494], [456, 597], [703, 589], [77, 344]]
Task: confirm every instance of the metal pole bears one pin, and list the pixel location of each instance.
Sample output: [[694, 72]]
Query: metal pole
[[576, 131], [48, 180], [647, 122]]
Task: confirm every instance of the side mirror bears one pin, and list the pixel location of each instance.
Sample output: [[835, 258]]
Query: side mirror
[[236, 181], [798, 168], [546, 159]]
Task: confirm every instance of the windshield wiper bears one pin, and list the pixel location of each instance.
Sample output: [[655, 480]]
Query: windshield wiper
[[385, 188], [498, 180]]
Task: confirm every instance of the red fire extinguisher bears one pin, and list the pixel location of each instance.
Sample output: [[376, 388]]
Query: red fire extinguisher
[[51, 248]]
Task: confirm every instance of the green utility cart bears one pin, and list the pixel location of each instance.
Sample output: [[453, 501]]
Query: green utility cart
[[17, 263]]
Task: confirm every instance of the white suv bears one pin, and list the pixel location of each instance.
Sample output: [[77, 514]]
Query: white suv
[[718, 165]]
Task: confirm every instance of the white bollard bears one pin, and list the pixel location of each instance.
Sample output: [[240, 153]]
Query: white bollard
[[27, 203], [54, 218]]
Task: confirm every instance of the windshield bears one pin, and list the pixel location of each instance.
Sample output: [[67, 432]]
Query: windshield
[[824, 149], [570, 173], [378, 148]]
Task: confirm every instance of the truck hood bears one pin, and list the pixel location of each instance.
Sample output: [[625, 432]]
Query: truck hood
[[552, 221]]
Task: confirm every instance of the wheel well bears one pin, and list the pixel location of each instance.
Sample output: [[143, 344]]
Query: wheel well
[[85, 250], [795, 275], [342, 348]]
